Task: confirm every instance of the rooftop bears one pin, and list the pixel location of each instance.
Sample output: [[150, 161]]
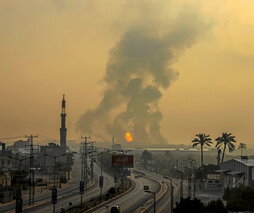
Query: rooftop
[[247, 162]]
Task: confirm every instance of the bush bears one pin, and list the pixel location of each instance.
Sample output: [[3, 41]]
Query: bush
[[240, 198], [112, 190], [195, 205], [188, 205], [237, 205], [215, 207]]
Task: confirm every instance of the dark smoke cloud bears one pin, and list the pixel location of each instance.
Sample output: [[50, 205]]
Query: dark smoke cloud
[[139, 68]]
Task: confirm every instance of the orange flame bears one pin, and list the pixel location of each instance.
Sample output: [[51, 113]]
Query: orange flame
[[128, 137]]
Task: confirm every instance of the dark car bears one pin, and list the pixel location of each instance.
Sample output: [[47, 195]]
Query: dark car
[[115, 209]]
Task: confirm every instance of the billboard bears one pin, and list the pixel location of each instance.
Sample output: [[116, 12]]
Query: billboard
[[122, 161]]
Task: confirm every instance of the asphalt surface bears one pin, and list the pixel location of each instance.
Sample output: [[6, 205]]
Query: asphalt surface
[[66, 195], [135, 198], [164, 200]]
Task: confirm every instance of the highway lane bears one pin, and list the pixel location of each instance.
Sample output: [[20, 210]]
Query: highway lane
[[39, 198], [132, 200], [75, 197], [67, 194], [163, 204]]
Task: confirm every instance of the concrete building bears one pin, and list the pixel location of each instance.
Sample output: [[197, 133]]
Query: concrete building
[[237, 171], [5, 174], [20, 147]]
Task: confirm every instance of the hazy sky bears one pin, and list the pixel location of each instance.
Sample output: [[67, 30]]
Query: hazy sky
[[54, 47]]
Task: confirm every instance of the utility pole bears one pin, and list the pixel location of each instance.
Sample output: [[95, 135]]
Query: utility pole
[[81, 184], [172, 193], [19, 200], [154, 200], [101, 180], [85, 163], [181, 184], [31, 169], [92, 160], [54, 190], [189, 181]]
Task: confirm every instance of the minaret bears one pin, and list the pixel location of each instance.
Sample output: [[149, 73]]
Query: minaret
[[63, 129]]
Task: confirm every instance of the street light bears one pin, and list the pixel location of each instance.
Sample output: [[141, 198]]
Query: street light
[[193, 162], [54, 190], [101, 176], [19, 201], [172, 193], [181, 183], [123, 181], [154, 200]]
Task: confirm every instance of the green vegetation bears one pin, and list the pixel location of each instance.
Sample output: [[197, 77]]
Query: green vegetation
[[195, 205], [146, 156], [202, 140], [240, 199], [202, 172], [110, 194], [242, 146], [226, 140]]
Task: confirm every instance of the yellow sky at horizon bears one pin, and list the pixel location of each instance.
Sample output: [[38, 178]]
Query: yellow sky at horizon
[[48, 49]]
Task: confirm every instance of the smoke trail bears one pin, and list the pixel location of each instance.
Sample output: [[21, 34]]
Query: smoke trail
[[140, 66]]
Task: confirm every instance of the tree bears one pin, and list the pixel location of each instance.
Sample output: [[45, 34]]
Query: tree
[[146, 155], [202, 172], [242, 146], [202, 140], [195, 205], [216, 206], [240, 198], [188, 205], [226, 140]]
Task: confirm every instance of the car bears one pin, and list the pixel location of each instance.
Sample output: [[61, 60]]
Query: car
[[136, 176], [115, 209]]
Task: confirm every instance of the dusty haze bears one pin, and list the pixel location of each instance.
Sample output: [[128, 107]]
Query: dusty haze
[[50, 48]]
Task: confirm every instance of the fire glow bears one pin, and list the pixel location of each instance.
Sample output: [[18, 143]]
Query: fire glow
[[128, 137]]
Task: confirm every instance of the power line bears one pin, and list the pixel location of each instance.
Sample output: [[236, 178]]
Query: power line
[[14, 137]]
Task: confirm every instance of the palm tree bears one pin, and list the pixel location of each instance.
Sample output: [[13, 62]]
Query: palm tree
[[242, 146], [202, 139], [226, 140]]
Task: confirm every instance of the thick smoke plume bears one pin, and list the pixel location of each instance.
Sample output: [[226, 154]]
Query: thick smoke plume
[[139, 68]]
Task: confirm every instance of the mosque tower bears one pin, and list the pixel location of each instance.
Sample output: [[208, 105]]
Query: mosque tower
[[63, 129]]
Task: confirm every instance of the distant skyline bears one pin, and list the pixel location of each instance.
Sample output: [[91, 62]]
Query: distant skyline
[[50, 48]]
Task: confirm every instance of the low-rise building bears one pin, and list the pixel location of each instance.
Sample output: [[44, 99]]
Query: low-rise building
[[237, 171]]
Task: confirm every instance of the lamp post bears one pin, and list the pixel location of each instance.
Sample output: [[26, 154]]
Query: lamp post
[[101, 176], [54, 190], [123, 151], [189, 180], [82, 175], [19, 201], [193, 163], [154, 200], [172, 193], [181, 184]]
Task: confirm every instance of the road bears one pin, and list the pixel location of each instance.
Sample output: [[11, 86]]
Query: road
[[132, 200], [74, 197], [66, 195], [163, 199]]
